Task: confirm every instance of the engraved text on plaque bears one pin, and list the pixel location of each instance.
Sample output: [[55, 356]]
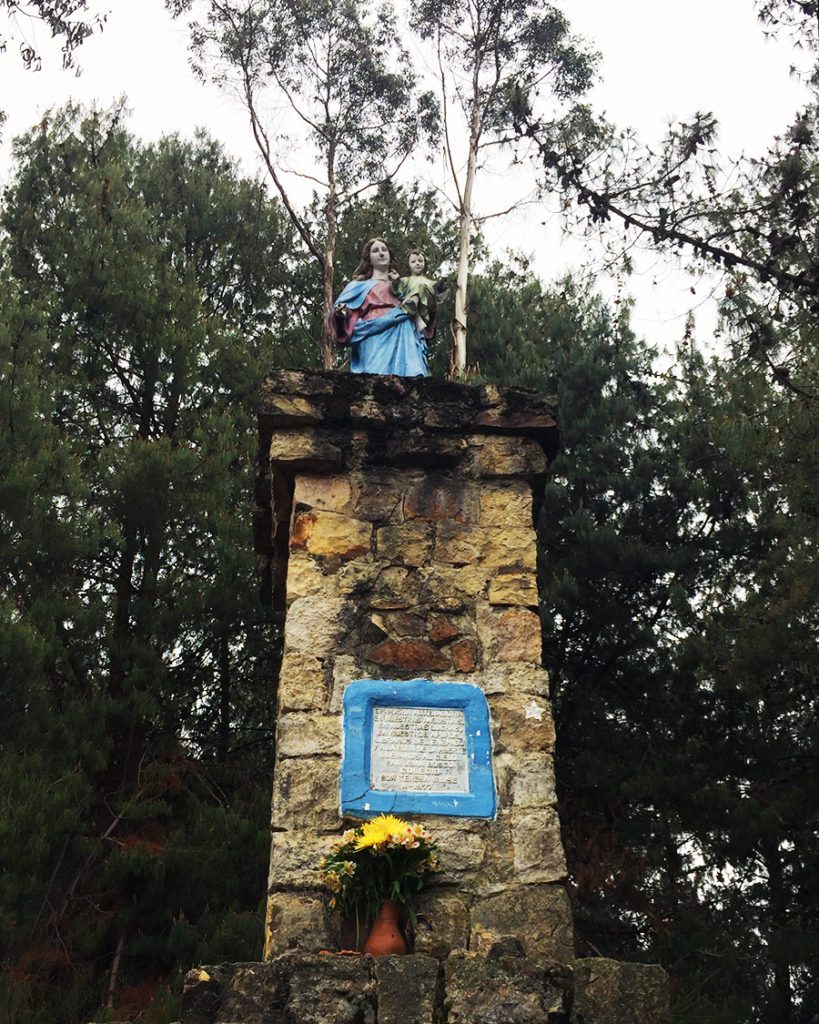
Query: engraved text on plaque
[[419, 750]]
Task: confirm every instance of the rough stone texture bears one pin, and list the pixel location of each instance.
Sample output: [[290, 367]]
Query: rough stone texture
[[331, 990], [305, 576], [509, 990], [409, 656], [539, 915], [305, 793], [439, 499], [508, 505], [297, 921], [309, 449], [330, 535], [610, 992], [538, 847], [407, 989], [301, 683], [293, 859], [504, 987], [512, 634], [407, 544], [443, 924], [515, 677], [315, 625], [522, 724], [395, 527], [517, 588], [329, 493], [508, 456], [253, 992], [303, 734]]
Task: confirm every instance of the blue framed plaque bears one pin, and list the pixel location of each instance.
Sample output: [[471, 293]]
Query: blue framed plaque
[[416, 747]]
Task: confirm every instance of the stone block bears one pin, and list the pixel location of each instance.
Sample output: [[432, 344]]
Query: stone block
[[453, 589], [403, 623], [515, 678], [309, 449], [509, 635], [407, 544], [355, 578], [459, 545], [285, 408], [305, 793], [202, 993], [436, 500], [441, 628], [330, 535], [302, 684], [307, 734], [327, 493], [409, 656], [315, 625], [507, 505], [253, 993], [515, 588], [532, 783], [296, 921], [507, 456], [539, 916], [538, 846], [395, 588], [610, 992], [380, 499], [522, 724], [345, 670], [462, 851], [464, 654], [305, 577], [493, 547], [509, 990], [443, 924], [329, 990], [293, 859], [406, 989]]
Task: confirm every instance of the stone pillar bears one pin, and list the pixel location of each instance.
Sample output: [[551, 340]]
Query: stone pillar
[[403, 546], [395, 525]]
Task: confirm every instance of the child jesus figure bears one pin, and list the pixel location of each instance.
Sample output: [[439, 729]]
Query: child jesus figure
[[417, 292]]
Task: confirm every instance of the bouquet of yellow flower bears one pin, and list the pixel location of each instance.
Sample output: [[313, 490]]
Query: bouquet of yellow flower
[[383, 859]]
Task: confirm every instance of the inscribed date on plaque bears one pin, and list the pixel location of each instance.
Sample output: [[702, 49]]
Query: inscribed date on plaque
[[419, 750]]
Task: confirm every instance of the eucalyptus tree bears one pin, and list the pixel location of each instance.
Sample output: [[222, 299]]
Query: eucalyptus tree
[[344, 78], [494, 57]]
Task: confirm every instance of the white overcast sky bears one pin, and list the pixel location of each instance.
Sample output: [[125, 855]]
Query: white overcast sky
[[661, 61]]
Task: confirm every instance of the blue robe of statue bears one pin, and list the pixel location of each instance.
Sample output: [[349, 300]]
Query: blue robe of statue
[[383, 338]]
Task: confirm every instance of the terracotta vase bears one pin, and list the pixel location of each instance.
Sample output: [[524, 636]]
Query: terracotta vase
[[385, 935]]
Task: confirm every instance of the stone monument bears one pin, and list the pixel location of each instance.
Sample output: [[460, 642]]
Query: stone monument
[[395, 526]]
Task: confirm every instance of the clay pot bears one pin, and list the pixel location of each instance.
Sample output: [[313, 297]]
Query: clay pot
[[385, 935]]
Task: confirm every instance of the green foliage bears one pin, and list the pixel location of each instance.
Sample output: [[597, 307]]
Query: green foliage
[[144, 295]]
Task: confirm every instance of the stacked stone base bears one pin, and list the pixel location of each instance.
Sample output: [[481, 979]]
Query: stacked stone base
[[467, 988]]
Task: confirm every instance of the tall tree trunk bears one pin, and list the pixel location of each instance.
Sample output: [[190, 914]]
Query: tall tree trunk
[[329, 263], [223, 748], [780, 1004], [458, 362]]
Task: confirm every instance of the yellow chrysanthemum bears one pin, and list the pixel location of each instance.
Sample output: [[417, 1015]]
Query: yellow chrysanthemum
[[380, 830]]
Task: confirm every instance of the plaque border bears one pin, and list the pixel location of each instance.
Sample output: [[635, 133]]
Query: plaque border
[[359, 800]]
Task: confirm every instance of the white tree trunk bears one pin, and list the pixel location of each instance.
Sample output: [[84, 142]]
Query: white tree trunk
[[465, 232]]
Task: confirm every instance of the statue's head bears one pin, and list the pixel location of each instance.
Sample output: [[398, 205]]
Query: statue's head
[[417, 261], [376, 255]]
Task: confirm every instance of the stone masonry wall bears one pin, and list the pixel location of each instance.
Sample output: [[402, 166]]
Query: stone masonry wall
[[395, 531], [398, 523]]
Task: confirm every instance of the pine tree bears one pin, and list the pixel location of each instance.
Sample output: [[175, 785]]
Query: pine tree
[[145, 293]]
